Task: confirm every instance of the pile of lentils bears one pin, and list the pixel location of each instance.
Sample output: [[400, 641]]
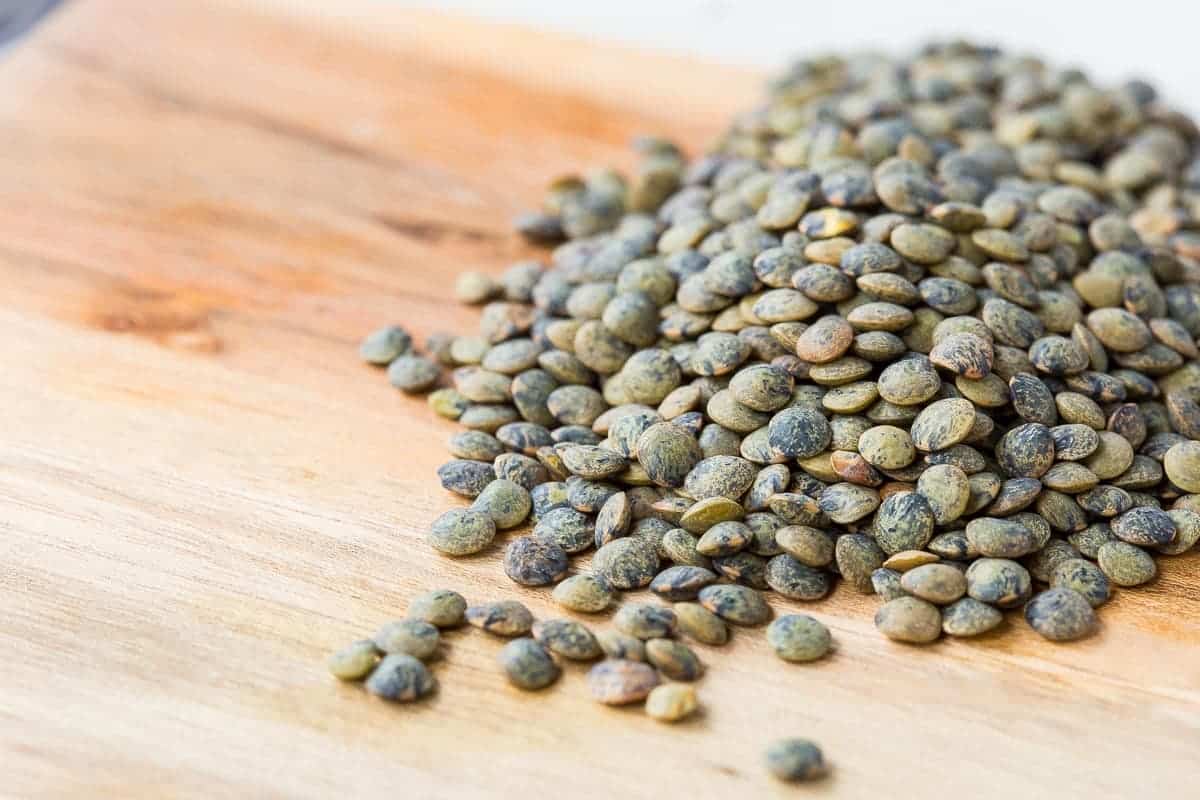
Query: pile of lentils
[[928, 326]]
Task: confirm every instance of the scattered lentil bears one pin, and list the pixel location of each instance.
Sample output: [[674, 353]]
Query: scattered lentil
[[795, 760], [354, 661], [671, 702], [401, 678]]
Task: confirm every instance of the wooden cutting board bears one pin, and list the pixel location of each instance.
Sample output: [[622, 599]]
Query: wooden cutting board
[[203, 207]]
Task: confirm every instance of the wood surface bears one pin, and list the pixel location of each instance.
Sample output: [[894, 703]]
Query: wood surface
[[203, 207]]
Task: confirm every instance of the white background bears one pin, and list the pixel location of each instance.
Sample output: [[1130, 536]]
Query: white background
[[1151, 39]]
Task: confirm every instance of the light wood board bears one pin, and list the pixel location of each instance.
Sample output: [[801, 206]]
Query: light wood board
[[203, 207]]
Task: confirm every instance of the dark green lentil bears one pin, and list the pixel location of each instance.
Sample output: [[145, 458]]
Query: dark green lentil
[[807, 545], [939, 584], [969, 617], [909, 619], [531, 561], [681, 582], [412, 374], [507, 503], [415, 637], [613, 519], [528, 665], [1083, 577], [1187, 532], [566, 528], [1146, 526], [462, 531], [740, 605], [724, 538], [886, 583], [998, 581], [400, 678], [795, 760], [720, 476], [585, 593], [621, 645], [799, 637], [674, 660], [795, 580], [1126, 564], [668, 453], [567, 638], [905, 521], [711, 511], [443, 608], [857, 556], [503, 618], [697, 622], [628, 563], [645, 621], [679, 547], [385, 345], [466, 478], [1060, 614]]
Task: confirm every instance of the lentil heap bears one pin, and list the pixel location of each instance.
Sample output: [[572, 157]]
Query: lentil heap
[[929, 326]]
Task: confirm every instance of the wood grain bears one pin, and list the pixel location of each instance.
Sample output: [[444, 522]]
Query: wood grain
[[203, 206]]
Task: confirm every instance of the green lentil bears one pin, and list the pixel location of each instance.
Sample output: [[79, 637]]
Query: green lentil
[[531, 561], [620, 645], [939, 584], [740, 605], [354, 661], [969, 617], [462, 531], [466, 478], [567, 638], [1060, 615], [400, 678], [627, 563], [415, 637], [998, 581], [1084, 577], [385, 345], [585, 593], [1126, 564], [674, 659], [503, 618], [909, 619], [528, 665], [443, 608], [799, 637], [795, 760], [697, 622], [857, 556], [681, 582], [507, 503], [645, 621]]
